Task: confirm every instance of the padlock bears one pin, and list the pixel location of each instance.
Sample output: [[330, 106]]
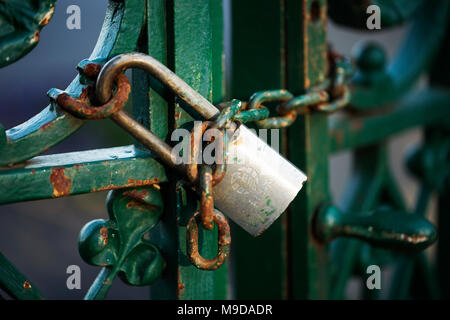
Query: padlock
[[259, 183]]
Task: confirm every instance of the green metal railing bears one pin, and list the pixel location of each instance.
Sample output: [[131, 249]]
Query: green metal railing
[[279, 53]]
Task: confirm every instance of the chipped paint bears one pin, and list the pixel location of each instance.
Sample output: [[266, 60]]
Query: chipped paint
[[104, 235], [35, 37], [47, 17], [45, 126], [131, 183], [92, 69], [136, 194], [26, 285], [141, 205]]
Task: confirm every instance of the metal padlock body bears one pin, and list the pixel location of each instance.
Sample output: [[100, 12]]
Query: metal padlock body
[[259, 183]]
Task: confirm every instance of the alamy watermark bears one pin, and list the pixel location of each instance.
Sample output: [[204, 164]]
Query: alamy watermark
[[74, 279], [374, 20], [73, 21], [374, 280]]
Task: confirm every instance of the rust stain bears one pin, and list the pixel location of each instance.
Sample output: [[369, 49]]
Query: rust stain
[[145, 182], [136, 194], [131, 183], [45, 126], [61, 183], [108, 187], [33, 172], [306, 82], [104, 235], [141, 205], [35, 37], [46, 19], [83, 108], [26, 285], [207, 203], [180, 289], [92, 69], [77, 166]]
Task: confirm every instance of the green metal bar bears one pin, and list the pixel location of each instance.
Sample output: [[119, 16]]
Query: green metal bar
[[219, 89], [420, 109], [260, 264], [194, 48], [157, 48], [149, 96], [361, 194], [308, 146], [15, 283], [79, 172], [102, 283]]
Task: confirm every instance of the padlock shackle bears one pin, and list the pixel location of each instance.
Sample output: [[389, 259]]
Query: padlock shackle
[[118, 64], [147, 138]]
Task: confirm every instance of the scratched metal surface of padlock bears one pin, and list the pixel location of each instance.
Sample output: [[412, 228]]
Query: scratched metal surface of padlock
[[259, 183]]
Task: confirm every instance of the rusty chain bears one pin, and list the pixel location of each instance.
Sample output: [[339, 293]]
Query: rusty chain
[[333, 97], [330, 97]]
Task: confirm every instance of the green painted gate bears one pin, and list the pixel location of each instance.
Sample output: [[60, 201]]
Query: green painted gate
[[329, 104]]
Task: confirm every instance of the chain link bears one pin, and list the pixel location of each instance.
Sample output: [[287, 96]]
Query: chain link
[[332, 96]]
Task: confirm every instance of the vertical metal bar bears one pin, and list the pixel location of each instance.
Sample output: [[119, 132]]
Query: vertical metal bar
[[198, 46], [157, 48], [260, 264], [149, 106], [362, 193], [154, 111], [221, 276], [308, 145], [187, 36]]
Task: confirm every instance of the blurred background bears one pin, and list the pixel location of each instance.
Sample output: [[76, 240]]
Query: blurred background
[[40, 237]]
